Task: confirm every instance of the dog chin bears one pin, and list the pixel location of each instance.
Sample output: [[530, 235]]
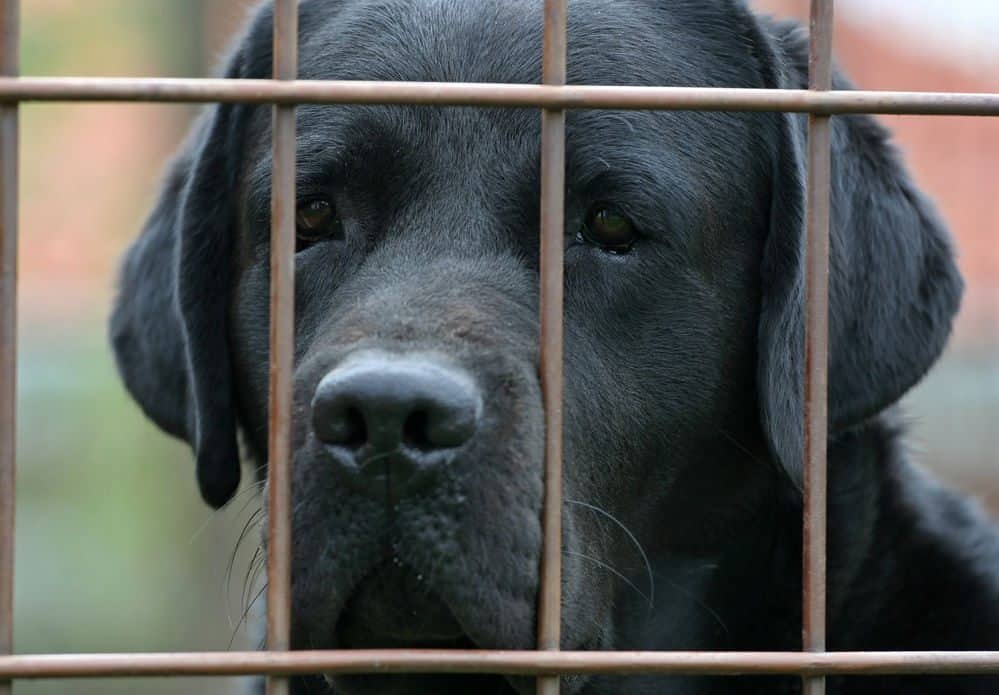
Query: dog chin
[[430, 685], [393, 608]]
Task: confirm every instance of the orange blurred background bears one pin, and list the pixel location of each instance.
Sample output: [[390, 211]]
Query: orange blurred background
[[115, 549]]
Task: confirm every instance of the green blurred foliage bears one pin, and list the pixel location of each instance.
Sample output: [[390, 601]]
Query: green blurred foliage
[[115, 550], [112, 37]]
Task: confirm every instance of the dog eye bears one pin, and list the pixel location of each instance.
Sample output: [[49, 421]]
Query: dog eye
[[316, 220], [609, 229]]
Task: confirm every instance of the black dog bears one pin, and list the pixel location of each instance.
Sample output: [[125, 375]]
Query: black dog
[[418, 420]]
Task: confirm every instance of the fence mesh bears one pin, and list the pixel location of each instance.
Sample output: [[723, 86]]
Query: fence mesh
[[553, 98]]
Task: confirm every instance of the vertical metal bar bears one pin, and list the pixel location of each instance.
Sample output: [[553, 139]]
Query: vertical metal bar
[[9, 49], [282, 329], [816, 345], [551, 268]]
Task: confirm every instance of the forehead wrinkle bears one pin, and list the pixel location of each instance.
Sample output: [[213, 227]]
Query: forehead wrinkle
[[623, 42], [691, 140], [310, 165], [325, 136], [660, 161], [431, 40], [487, 147]]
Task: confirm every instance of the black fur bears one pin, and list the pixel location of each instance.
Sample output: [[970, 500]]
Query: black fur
[[683, 403]]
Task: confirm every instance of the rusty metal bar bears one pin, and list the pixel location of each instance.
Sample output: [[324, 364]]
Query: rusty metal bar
[[282, 336], [551, 295], [481, 94], [548, 662], [818, 187], [523, 663], [9, 36]]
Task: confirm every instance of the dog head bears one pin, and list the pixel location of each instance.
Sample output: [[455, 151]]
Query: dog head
[[418, 420]]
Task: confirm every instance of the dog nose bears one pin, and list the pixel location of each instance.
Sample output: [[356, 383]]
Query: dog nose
[[407, 412]]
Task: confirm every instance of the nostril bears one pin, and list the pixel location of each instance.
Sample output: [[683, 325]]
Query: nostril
[[445, 424], [452, 423], [339, 424], [355, 429], [415, 432]]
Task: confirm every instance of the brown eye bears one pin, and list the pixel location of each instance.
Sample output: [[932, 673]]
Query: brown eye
[[609, 229], [316, 220]]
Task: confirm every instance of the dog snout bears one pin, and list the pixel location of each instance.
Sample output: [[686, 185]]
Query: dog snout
[[386, 416]]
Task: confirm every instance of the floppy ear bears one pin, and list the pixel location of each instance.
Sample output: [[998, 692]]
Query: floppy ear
[[893, 285], [169, 326]]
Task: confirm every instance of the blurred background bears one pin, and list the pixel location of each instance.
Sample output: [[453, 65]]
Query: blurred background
[[115, 551]]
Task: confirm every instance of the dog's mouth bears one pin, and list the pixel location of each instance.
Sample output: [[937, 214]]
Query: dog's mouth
[[394, 608]]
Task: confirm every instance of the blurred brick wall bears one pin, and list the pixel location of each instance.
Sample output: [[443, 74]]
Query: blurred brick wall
[[89, 172], [223, 18]]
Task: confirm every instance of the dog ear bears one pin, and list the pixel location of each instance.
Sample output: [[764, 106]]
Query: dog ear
[[894, 288], [169, 325]]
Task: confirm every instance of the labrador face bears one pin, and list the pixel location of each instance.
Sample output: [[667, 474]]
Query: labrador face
[[418, 420]]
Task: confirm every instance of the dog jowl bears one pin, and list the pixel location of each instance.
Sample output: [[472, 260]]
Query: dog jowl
[[418, 423]]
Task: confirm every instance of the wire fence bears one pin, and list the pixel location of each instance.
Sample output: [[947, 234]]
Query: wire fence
[[554, 98]]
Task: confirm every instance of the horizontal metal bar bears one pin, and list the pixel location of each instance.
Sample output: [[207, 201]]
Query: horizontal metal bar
[[497, 662], [482, 94]]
